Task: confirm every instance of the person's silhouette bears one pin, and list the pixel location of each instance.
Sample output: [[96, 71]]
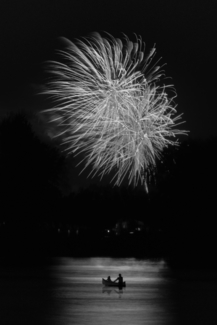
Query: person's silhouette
[[119, 279]]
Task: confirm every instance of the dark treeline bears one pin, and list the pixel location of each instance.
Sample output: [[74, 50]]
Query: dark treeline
[[180, 205], [29, 171]]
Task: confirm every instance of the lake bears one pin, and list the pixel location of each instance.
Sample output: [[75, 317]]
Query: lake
[[70, 291]]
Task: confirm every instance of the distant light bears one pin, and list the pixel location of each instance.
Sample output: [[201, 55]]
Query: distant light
[[58, 229], [108, 230], [131, 232]]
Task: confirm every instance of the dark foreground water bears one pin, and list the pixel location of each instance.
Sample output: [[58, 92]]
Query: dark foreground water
[[70, 292]]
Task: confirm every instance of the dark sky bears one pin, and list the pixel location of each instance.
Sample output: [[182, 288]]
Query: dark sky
[[184, 33]]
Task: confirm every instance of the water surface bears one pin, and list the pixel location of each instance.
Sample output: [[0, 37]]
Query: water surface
[[71, 292], [83, 300]]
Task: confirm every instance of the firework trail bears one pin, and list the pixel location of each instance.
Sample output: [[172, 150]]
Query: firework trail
[[109, 106]]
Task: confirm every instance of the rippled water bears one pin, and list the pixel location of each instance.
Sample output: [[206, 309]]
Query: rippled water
[[83, 299], [71, 292]]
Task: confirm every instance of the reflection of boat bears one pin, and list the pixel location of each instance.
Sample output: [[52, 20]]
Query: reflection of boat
[[108, 291], [113, 284], [114, 289]]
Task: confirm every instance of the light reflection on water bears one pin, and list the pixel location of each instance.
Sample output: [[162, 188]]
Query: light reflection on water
[[71, 292], [81, 298]]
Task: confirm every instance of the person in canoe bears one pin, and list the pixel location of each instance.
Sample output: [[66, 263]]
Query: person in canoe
[[109, 279], [119, 279]]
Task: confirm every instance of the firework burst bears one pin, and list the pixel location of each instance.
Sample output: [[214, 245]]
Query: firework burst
[[109, 106]]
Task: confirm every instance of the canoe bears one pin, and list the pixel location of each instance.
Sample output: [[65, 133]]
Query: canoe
[[113, 284]]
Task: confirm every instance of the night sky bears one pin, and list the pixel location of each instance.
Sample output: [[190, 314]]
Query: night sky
[[183, 198], [184, 33]]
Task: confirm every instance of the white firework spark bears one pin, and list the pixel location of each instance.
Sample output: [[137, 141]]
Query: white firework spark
[[109, 106]]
